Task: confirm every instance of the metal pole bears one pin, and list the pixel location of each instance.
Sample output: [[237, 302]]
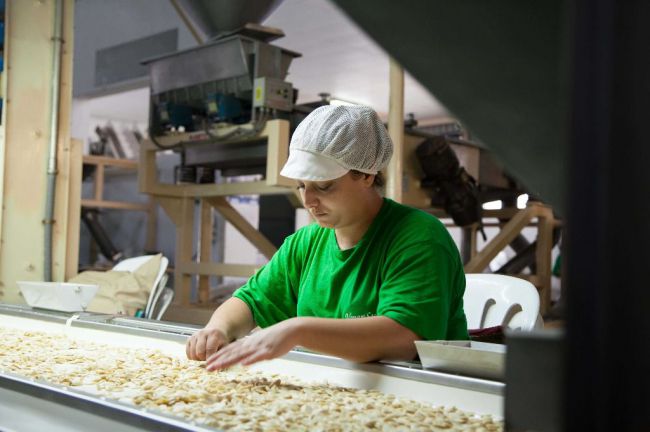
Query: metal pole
[[48, 221]]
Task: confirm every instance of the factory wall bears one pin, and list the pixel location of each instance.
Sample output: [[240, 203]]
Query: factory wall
[[104, 24]]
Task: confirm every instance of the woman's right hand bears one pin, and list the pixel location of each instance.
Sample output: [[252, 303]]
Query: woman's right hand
[[205, 342]]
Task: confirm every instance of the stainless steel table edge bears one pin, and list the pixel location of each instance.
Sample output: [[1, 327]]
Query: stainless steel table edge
[[400, 370], [98, 405]]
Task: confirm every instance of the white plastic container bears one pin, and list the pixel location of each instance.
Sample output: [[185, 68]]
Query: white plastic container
[[60, 296], [472, 358]]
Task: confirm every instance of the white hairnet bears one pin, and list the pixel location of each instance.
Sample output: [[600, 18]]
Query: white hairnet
[[333, 140]]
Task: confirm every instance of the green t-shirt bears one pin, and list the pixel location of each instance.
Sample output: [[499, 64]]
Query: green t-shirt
[[405, 267]]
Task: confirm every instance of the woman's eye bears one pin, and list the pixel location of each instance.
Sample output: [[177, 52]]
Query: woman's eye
[[324, 188]]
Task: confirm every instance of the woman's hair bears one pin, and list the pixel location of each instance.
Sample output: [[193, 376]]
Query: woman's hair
[[379, 181]]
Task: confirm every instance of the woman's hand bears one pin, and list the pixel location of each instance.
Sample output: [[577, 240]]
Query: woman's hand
[[266, 344], [204, 343]]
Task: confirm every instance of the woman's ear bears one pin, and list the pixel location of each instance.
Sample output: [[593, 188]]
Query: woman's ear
[[368, 180]]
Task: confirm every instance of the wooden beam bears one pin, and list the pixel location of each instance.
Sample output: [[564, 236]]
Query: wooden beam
[[165, 190], [205, 249], [147, 170], [67, 211], [231, 215], [474, 243], [73, 213], [181, 213], [217, 189], [277, 132], [396, 131], [152, 225], [99, 182], [227, 189], [501, 240], [26, 117], [172, 208], [122, 205], [545, 222], [218, 269], [184, 249], [109, 161]]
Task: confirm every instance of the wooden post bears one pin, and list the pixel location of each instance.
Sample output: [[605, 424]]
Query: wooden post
[[184, 249], [152, 224], [181, 212], [277, 132], [71, 242], [230, 214], [99, 181], [205, 249], [147, 170], [545, 225], [396, 131], [474, 245], [24, 149]]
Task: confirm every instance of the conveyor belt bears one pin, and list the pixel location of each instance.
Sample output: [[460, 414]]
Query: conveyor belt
[[27, 397]]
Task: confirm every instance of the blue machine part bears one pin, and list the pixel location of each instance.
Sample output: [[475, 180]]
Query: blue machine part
[[223, 107], [2, 27], [173, 115]]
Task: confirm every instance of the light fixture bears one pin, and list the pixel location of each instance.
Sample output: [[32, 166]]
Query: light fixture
[[493, 205], [522, 200]]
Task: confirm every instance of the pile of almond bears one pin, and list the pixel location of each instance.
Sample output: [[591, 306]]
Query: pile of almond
[[236, 399]]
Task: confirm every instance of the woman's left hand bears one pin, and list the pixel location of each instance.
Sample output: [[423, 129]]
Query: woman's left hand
[[266, 344]]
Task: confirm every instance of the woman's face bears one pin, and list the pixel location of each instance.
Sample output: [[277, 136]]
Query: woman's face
[[336, 203]]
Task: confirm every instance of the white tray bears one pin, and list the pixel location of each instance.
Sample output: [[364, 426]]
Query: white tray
[[61, 296], [472, 358]]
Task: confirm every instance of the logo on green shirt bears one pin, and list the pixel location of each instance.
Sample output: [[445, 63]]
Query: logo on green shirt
[[367, 314]]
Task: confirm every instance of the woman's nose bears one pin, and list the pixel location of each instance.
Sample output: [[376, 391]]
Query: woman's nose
[[309, 198]]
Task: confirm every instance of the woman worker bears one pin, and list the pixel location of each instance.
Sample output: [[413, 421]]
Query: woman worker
[[364, 282]]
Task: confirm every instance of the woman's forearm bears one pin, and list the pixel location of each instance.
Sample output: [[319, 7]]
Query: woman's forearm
[[357, 339], [233, 318]]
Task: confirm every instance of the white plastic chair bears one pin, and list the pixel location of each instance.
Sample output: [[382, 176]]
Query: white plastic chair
[[492, 299], [132, 264]]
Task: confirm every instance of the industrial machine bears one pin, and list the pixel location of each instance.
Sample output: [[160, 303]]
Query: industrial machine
[[222, 91]]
